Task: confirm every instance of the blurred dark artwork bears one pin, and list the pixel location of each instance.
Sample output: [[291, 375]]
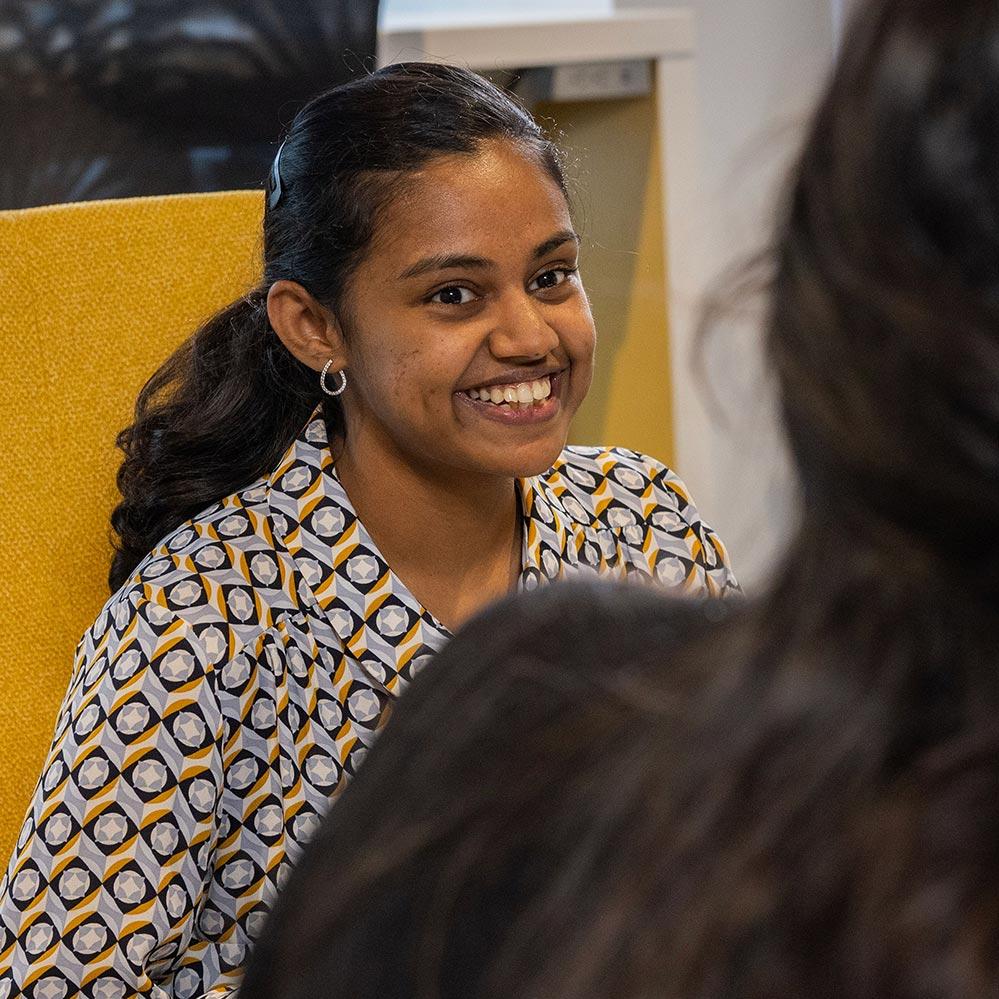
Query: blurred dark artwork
[[115, 98]]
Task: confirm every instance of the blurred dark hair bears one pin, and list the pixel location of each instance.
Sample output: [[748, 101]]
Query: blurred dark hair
[[885, 299], [222, 410], [596, 794]]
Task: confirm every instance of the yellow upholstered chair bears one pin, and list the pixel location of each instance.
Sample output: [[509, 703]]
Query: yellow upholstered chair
[[93, 297]]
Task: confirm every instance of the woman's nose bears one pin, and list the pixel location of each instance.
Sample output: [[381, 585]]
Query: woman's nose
[[522, 331]]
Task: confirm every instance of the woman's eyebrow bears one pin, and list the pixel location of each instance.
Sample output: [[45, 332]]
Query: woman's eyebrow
[[461, 261], [565, 236], [443, 262]]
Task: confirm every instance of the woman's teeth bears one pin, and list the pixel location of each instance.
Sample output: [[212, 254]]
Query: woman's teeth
[[520, 394]]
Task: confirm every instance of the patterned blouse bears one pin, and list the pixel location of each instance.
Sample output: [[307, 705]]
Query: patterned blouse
[[228, 690]]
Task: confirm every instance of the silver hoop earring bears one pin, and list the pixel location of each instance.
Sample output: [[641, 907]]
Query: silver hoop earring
[[322, 379]]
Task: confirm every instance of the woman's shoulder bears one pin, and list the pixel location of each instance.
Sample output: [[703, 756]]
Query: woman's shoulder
[[617, 487], [229, 544], [640, 512], [218, 580]]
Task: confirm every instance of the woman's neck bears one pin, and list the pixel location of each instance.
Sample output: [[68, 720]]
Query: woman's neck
[[453, 538]]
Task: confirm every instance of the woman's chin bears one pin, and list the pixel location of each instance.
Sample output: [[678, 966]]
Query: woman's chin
[[516, 455], [535, 459]]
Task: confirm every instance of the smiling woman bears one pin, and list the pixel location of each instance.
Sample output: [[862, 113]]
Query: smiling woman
[[466, 304], [331, 475]]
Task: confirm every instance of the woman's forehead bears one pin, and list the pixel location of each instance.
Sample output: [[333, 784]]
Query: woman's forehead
[[499, 192]]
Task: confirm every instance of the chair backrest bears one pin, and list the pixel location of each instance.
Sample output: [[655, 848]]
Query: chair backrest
[[93, 297]]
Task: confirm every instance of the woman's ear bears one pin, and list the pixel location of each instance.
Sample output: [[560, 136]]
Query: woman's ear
[[306, 328]]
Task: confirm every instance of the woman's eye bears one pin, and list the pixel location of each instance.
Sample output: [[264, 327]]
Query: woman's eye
[[452, 295], [552, 278]]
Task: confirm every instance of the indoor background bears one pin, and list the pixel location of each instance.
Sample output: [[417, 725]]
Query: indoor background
[[679, 120]]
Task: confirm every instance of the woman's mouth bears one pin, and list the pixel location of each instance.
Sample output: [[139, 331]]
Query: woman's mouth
[[517, 402], [514, 394]]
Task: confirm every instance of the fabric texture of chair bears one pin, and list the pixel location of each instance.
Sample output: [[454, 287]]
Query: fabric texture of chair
[[95, 296]]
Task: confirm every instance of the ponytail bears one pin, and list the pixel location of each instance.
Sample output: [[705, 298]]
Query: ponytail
[[215, 417]]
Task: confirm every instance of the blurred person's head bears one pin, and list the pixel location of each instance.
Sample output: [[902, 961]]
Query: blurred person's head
[[596, 793], [592, 795], [884, 312], [417, 238], [503, 837]]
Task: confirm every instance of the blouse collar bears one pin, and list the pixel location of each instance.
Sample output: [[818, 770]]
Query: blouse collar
[[343, 574]]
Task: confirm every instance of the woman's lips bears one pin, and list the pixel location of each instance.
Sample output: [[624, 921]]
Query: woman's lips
[[517, 414]]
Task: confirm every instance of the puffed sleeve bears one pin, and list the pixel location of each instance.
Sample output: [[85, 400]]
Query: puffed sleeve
[[115, 853]]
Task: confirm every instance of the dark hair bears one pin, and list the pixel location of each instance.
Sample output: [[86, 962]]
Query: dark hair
[[885, 299], [802, 801], [222, 410]]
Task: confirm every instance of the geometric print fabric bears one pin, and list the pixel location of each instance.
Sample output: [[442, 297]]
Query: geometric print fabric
[[227, 692]]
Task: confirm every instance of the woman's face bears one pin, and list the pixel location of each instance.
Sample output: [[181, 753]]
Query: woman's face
[[470, 344]]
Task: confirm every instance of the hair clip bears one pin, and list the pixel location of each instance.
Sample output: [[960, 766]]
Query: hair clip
[[276, 190]]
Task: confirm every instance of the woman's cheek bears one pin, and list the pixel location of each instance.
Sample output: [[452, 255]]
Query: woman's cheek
[[584, 332], [583, 345]]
